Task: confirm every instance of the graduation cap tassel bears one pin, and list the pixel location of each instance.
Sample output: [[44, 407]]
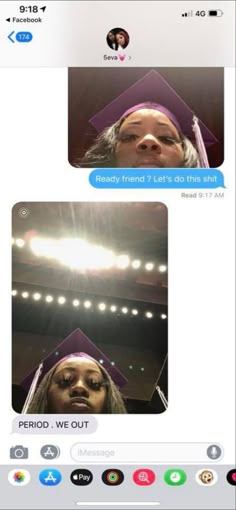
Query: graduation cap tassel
[[162, 397], [200, 144], [32, 389]]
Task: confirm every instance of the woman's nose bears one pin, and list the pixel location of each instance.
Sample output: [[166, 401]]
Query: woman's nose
[[148, 143], [79, 388]]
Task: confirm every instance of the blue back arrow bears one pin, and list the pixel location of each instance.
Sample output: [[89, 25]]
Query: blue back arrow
[[9, 36]]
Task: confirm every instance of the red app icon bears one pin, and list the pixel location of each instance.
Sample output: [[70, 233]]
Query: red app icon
[[231, 477], [144, 477]]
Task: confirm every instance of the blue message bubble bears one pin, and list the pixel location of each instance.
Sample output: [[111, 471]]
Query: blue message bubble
[[24, 37], [162, 178]]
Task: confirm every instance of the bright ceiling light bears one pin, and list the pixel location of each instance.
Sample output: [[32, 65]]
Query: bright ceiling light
[[14, 292], [25, 295], [124, 310], [87, 304], [74, 253], [102, 307], [136, 264], [81, 255], [149, 315], [36, 296], [61, 300], [75, 302], [163, 316], [122, 261], [162, 268], [113, 308], [49, 299], [134, 312], [149, 266], [19, 243], [43, 247]]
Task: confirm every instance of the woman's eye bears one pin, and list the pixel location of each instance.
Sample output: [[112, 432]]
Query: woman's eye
[[168, 140], [129, 137], [94, 385], [64, 382]]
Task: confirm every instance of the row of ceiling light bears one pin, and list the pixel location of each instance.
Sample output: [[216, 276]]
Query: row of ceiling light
[[84, 304], [82, 255]]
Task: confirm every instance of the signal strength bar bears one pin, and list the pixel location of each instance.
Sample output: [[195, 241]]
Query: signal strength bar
[[186, 14]]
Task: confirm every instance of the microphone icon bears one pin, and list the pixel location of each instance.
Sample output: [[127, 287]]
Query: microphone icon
[[214, 451]]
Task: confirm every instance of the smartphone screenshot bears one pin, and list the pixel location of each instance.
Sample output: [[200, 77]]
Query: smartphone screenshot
[[117, 294]]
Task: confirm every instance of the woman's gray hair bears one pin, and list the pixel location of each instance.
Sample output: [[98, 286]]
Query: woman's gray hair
[[191, 158], [102, 152]]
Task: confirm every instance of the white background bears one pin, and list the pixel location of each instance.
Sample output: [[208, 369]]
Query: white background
[[34, 167], [74, 33]]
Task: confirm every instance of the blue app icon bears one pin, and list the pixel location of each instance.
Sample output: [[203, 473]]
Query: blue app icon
[[50, 477]]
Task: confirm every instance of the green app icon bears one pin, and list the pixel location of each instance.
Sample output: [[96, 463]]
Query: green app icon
[[175, 477]]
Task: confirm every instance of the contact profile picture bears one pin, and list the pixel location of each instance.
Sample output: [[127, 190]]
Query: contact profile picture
[[117, 39]]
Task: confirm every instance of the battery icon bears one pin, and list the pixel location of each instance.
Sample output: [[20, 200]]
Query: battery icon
[[217, 13]]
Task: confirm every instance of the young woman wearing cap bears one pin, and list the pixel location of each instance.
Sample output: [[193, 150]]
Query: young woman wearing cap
[[147, 135], [77, 384]]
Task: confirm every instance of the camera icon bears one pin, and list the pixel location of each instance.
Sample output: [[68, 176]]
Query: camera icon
[[19, 452]]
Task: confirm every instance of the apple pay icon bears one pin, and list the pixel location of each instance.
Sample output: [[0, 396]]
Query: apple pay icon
[[81, 477]]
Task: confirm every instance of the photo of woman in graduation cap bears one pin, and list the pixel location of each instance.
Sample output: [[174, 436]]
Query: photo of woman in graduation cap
[[148, 126], [76, 383], [146, 136]]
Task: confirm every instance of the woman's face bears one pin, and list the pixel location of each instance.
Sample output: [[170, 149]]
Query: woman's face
[[77, 387], [120, 39], [148, 139], [111, 37]]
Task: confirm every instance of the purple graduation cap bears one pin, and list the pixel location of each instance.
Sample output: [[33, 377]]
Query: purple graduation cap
[[76, 343], [152, 88]]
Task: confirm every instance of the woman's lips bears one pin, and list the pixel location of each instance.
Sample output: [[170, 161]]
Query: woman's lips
[[81, 403], [148, 164]]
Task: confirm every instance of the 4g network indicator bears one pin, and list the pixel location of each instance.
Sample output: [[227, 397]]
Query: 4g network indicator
[[217, 13]]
